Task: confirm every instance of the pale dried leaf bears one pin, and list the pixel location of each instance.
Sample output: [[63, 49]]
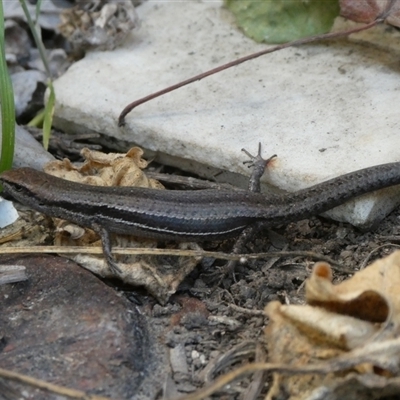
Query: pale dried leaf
[[352, 328], [372, 294], [100, 169]]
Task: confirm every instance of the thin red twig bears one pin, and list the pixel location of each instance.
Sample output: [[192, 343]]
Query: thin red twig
[[332, 35]]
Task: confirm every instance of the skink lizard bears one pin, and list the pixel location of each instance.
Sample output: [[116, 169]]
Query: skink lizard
[[184, 215]]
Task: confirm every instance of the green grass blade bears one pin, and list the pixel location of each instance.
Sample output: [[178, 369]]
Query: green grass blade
[[38, 6], [7, 104], [36, 33], [48, 116], [36, 36], [37, 120]]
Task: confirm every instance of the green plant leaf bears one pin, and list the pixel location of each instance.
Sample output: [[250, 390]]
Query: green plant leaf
[[280, 21]]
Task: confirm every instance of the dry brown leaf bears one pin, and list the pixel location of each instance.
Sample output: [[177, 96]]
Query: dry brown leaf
[[372, 294], [100, 169], [352, 327], [288, 345]]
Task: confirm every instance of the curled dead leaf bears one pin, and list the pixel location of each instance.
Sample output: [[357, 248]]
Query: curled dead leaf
[[350, 329]]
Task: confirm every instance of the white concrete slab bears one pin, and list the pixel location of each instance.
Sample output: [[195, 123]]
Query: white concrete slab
[[325, 109]]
